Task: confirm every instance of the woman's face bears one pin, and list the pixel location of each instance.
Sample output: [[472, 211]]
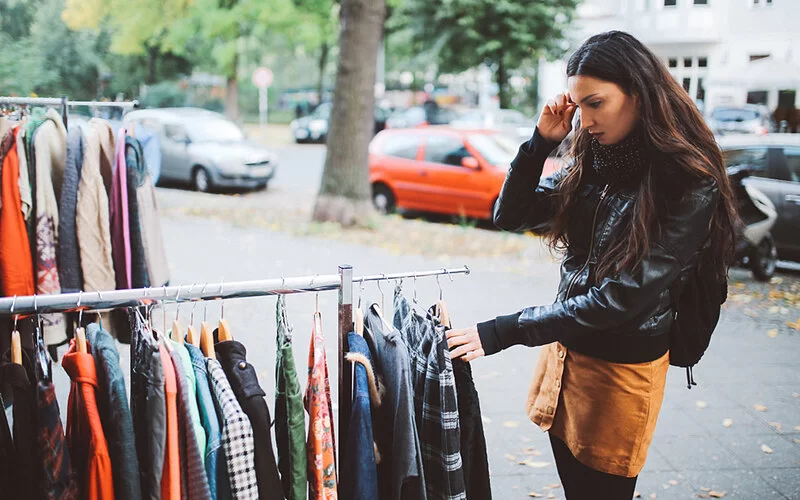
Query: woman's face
[[606, 112]]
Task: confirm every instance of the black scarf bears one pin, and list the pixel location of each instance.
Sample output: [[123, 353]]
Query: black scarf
[[621, 163]]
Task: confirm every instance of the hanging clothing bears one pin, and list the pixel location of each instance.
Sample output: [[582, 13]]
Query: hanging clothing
[[192, 468], [59, 481], [150, 222], [171, 475], [237, 436], [29, 126], [435, 403], [193, 412], [400, 471], [16, 264], [87, 442], [243, 380], [216, 470], [148, 407], [321, 444], [50, 149], [475, 462], [6, 128], [25, 191], [118, 217], [359, 472], [290, 431], [7, 464], [92, 212], [27, 460], [115, 414], [135, 169], [69, 260]]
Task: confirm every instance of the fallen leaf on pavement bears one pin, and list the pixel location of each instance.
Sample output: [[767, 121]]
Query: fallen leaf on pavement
[[751, 313], [705, 489], [796, 395], [703, 495], [776, 280], [652, 496], [701, 404], [553, 486], [794, 325], [776, 425], [796, 441], [797, 427], [772, 333], [673, 482], [538, 465], [511, 424], [727, 422], [487, 420], [636, 494], [760, 407], [551, 496], [510, 457], [766, 449], [535, 495], [716, 494]]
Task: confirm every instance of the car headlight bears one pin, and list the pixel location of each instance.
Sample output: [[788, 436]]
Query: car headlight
[[318, 126]]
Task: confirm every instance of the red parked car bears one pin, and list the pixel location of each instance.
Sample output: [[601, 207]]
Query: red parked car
[[441, 169]]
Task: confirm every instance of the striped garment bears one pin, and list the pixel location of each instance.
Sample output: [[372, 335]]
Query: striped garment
[[237, 436], [435, 403]]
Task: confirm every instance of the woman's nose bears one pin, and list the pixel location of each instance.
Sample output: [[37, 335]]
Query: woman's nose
[[586, 120]]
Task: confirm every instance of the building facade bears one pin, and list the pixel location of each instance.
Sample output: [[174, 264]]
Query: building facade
[[723, 52]]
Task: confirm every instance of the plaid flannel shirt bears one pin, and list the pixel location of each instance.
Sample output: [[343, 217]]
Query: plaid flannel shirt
[[237, 436], [435, 402]]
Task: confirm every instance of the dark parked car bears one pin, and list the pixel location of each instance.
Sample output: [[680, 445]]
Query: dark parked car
[[206, 149], [314, 127], [773, 165]]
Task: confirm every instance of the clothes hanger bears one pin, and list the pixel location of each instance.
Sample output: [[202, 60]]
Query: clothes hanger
[[176, 333], [43, 359], [380, 309], [317, 314], [80, 333], [206, 336], [359, 315], [223, 330], [16, 344], [191, 333], [441, 307]]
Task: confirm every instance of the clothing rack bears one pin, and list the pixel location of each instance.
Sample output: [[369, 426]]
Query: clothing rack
[[94, 301], [64, 103]]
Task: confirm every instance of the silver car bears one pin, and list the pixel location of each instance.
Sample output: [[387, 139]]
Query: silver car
[[745, 119], [206, 149]]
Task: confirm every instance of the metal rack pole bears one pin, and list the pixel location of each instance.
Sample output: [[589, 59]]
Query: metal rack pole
[[59, 101]]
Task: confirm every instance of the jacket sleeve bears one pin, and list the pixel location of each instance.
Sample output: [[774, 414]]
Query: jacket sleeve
[[613, 302], [526, 201]]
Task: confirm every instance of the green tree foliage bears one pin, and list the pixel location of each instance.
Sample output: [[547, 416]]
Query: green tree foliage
[[504, 34]]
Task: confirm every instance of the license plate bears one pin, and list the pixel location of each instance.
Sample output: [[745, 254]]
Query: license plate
[[260, 172]]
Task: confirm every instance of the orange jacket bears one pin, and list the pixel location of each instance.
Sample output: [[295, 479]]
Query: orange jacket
[[171, 475], [87, 443]]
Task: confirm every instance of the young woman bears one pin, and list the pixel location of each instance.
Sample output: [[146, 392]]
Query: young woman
[[644, 191]]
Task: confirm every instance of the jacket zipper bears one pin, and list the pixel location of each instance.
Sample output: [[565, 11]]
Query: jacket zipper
[[591, 242]]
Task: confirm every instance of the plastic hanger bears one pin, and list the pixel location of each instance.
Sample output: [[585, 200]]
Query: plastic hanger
[[16, 344], [223, 330], [206, 335], [176, 333]]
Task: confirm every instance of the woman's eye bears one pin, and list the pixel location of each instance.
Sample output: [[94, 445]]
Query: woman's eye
[[595, 104]]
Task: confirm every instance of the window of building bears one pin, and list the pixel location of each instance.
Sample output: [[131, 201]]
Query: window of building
[[687, 84], [687, 62], [702, 62], [445, 149], [673, 62], [756, 57], [402, 146], [701, 2], [701, 90], [757, 97], [760, 3], [670, 3]]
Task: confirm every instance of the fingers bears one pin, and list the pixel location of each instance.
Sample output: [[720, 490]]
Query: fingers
[[473, 355], [464, 349]]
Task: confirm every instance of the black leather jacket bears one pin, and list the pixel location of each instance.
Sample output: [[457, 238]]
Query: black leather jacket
[[625, 318]]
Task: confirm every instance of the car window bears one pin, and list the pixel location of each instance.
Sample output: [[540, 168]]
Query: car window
[[793, 162], [214, 129], [402, 146], [175, 132], [445, 149], [733, 114], [755, 159], [497, 149]]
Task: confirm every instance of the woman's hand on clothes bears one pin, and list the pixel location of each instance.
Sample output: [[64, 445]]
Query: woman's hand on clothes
[[466, 342], [555, 122]]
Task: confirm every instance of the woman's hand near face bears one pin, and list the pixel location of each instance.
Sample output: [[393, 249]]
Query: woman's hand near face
[[555, 122], [467, 344]]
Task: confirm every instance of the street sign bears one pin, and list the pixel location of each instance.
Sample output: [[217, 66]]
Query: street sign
[[262, 77]]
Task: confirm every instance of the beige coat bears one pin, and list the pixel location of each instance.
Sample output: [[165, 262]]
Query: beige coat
[[92, 217]]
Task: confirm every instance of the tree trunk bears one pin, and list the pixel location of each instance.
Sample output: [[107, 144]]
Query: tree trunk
[[324, 51], [232, 92], [344, 194], [502, 84]]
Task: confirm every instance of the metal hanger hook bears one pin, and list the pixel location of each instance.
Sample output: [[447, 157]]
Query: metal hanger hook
[[383, 297], [177, 301], [222, 296], [441, 293], [16, 317], [415, 288], [80, 310], [361, 292]]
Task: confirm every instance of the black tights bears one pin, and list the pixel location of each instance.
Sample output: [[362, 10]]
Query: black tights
[[581, 482]]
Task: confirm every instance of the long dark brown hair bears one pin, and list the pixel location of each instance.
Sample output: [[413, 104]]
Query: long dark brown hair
[[677, 138]]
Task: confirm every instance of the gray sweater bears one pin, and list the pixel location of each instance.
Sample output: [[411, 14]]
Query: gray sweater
[[69, 259]]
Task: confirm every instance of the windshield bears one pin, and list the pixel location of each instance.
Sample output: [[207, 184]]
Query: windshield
[[497, 149], [213, 130], [734, 115], [323, 112]]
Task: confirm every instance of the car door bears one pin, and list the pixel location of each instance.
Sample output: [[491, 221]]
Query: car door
[[788, 238], [175, 160], [447, 185], [400, 153]]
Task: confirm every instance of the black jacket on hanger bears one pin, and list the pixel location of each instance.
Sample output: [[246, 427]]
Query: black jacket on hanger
[[232, 355]]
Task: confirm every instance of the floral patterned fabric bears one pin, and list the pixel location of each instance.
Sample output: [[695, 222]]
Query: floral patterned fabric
[[321, 447]]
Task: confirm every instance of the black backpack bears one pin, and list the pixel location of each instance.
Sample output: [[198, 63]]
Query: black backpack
[[696, 299]]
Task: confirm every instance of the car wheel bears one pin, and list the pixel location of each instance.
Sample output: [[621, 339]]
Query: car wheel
[[201, 181], [383, 199], [764, 259]]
